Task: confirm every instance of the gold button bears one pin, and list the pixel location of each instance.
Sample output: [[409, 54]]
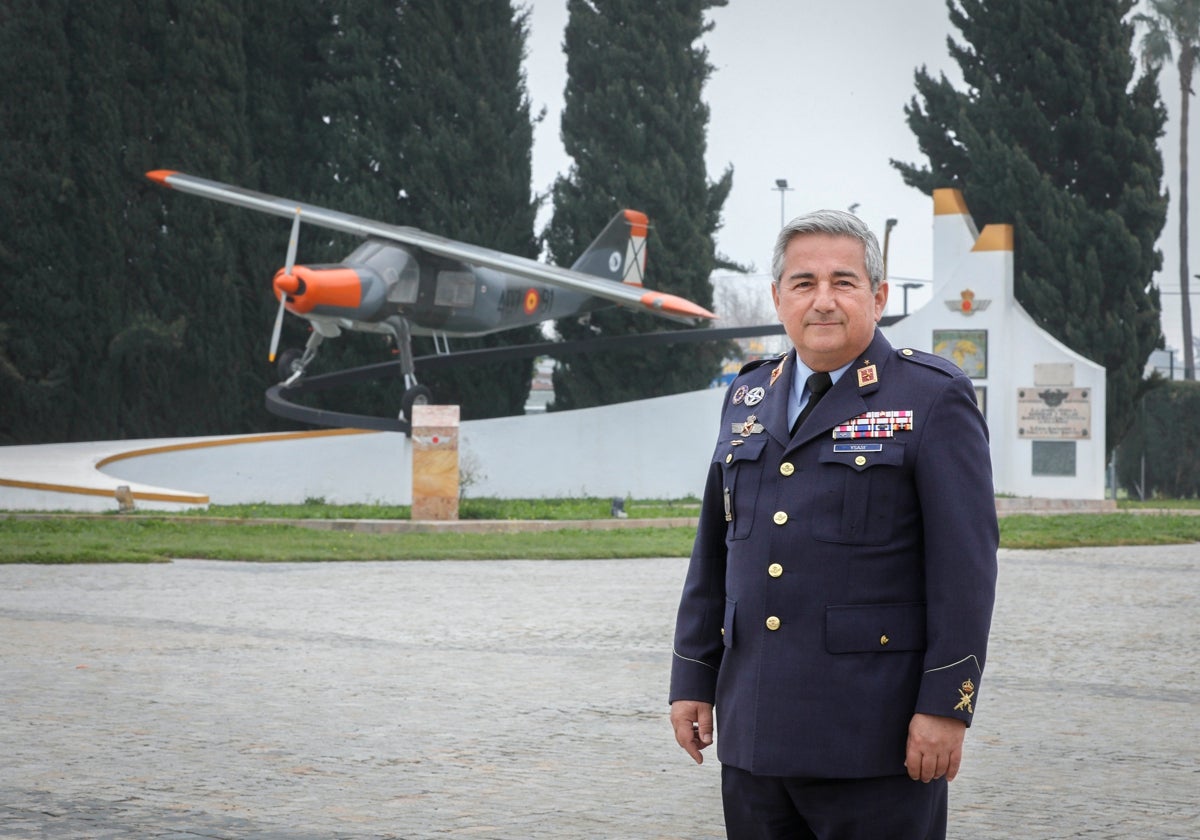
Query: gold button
[[722, 631], [780, 517], [775, 570], [728, 457], [883, 640], [786, 468], [860, 460], [906, 352], [772, 623]]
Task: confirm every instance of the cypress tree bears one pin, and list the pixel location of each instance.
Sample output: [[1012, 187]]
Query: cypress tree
[[39, 307], [424, 121], [1055, 135], [128, 311], [465, 162], [287, 67], [97, 94], [635, 127], [184, 357]]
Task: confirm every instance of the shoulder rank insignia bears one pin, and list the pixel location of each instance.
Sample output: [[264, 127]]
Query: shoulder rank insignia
[[875, 424], [739, 395], [965, 695], [750, 427]]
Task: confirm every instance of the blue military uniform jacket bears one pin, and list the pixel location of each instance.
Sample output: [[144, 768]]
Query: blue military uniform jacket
[[842, 579]]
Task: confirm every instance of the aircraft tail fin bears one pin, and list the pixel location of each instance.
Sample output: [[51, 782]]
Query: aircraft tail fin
[[619, 252]]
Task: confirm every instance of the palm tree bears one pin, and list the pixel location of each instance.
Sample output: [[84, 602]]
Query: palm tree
[[1177, 22]]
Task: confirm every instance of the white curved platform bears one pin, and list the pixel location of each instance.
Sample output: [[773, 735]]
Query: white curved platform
[[656, 448]]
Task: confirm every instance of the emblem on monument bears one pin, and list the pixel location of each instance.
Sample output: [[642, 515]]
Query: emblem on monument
[[967, 304]]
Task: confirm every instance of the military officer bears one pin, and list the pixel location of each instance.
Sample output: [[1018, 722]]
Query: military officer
[[837, 604]]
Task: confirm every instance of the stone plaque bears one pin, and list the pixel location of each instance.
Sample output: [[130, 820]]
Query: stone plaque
[[1054, 413], [1056, 373], [1054, 457]]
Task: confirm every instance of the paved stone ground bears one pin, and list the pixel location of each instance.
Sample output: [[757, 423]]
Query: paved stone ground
[[526, 700]]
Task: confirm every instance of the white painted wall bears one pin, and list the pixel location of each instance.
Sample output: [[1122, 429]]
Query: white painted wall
[[655, 448]]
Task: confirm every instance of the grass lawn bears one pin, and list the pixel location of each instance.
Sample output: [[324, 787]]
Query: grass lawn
[[146, 537]]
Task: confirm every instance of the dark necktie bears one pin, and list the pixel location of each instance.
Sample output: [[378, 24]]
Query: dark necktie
[[817, 385]]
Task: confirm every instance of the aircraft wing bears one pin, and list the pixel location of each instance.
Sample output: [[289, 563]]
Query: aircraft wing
[[622, 294]]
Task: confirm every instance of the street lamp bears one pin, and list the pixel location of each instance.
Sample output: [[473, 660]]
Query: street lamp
[[906, 287], [887, 235], [782, 186]]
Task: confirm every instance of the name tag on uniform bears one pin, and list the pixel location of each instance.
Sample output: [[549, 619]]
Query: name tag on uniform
[[858, 447]]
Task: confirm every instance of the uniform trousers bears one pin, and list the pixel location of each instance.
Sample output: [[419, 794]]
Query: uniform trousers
[[784, 808]]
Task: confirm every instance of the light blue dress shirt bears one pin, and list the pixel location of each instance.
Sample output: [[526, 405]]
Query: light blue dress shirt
[[800, 394]]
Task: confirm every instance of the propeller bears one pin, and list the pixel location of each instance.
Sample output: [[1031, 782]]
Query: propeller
[[287, 270]]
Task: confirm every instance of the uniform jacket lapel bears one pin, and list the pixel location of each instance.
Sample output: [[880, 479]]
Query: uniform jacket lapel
[[775, 407]]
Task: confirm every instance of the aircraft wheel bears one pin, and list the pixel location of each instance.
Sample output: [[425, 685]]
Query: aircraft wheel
[[416, 395], [288, 363]]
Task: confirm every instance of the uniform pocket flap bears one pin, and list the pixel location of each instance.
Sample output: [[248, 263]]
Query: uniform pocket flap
[[861, 456], [741, 450], [878, 628]]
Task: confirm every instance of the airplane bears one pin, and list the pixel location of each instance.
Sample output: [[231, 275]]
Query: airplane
[[402, 282]]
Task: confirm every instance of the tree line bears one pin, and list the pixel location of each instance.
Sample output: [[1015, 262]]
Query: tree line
[[128, 312]]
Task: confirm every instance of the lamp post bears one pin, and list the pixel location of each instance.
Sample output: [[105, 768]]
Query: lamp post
[[906, 287], [887, 236], [781, 185]]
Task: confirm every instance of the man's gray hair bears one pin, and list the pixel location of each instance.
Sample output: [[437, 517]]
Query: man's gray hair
[[835, 223]]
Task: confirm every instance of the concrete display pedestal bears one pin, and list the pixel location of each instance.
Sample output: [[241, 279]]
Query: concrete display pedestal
[[435, 479]]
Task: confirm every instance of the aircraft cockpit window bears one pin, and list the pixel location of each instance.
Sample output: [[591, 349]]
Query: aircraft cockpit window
[[402, 284], [455, 288]]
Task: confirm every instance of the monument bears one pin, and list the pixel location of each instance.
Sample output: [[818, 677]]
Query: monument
[[1044, 403]]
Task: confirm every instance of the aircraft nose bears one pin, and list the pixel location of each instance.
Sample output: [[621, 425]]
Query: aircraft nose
[[288, 284]]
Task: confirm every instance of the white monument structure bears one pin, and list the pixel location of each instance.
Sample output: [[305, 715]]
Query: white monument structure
[[1044, 403]]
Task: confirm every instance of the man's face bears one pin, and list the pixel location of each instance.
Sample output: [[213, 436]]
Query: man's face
[[824, 299]]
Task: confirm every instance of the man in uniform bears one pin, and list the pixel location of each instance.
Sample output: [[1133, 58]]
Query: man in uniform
[[837, 605]]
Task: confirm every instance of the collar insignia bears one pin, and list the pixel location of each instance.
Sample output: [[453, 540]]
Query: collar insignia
[[775, 373], [867, 376]]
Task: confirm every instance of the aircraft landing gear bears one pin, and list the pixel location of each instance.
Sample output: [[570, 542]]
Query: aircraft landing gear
[[416, 395], [292, 363], [288, 364]]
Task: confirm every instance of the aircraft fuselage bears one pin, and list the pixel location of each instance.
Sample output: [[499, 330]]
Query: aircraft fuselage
[[380, 280]]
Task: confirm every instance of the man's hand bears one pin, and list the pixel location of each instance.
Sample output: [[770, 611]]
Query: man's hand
[[934, 747], [693, 723]]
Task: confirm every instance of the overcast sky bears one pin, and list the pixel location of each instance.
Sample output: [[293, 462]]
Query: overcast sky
[[813, 91]]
